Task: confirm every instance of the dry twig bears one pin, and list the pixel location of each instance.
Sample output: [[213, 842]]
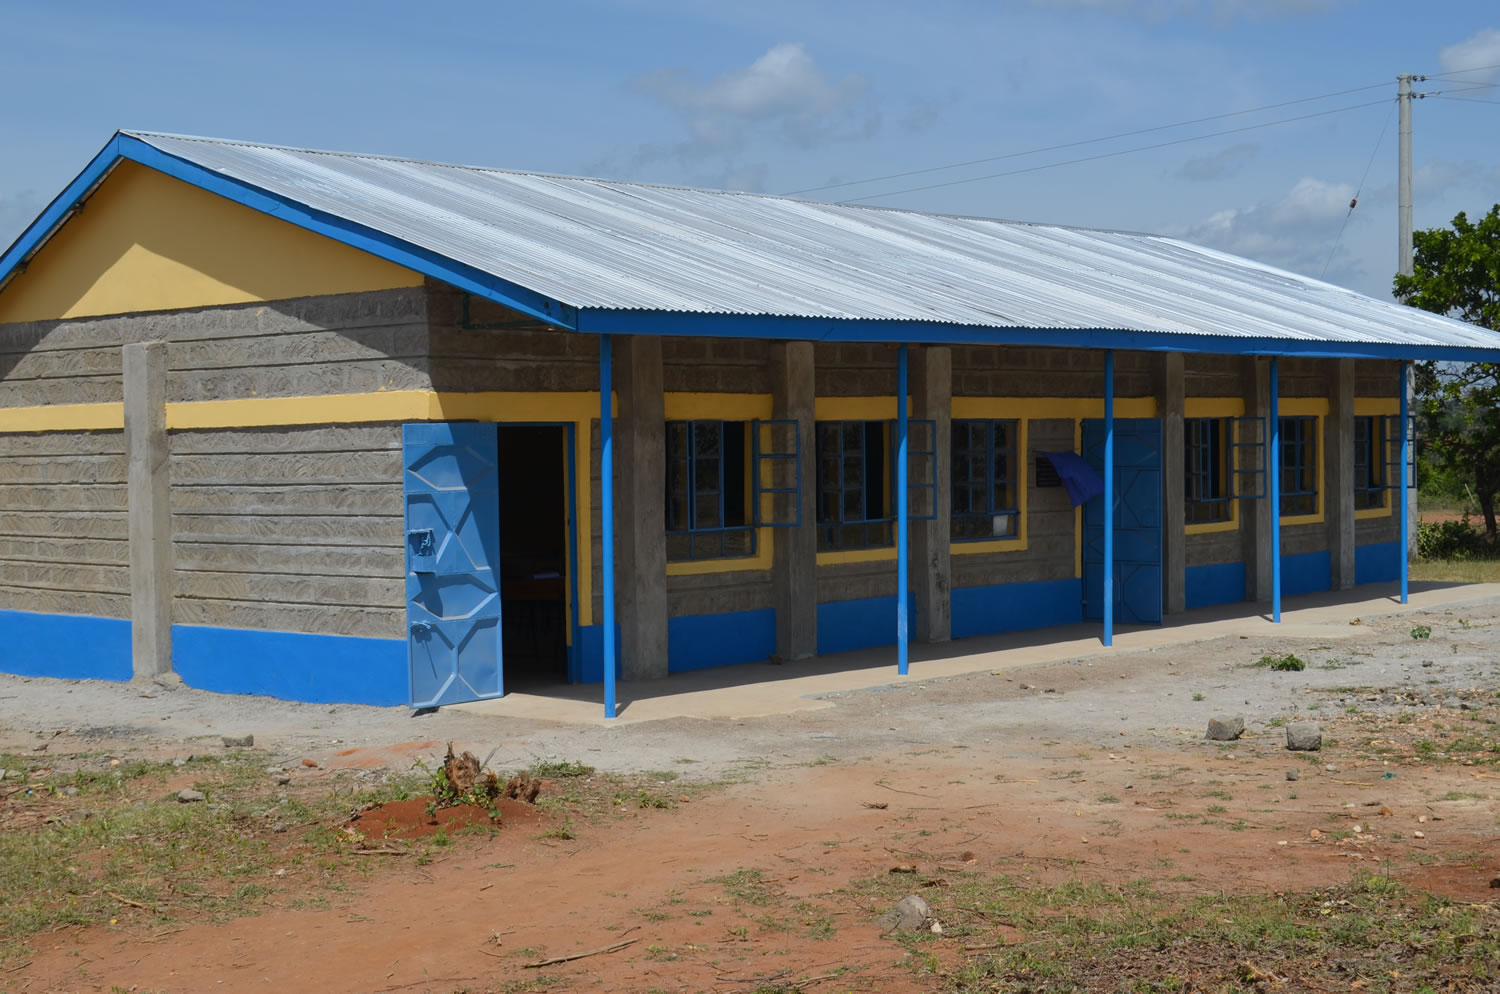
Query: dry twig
[[612, 948]]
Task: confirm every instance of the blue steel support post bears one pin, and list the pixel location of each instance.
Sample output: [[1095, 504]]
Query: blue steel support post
[[607, 517], [1273, 471], [902, 543], [1109, 498], [1405, 480]]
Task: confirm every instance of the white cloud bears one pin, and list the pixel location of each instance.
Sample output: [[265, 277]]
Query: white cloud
[[1294, 232], [783, 95], [1480, 49], [1220, 165]]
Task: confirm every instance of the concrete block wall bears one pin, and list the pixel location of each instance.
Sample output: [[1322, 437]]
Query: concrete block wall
[[293, 529]]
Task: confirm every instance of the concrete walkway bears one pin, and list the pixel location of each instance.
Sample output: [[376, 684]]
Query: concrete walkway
[[754, 690]]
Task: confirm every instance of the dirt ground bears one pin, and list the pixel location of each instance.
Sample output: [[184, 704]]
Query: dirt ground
[[758, 856]]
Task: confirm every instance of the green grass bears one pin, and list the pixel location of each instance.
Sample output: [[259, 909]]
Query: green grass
[[1453, 571], [1286, 663]]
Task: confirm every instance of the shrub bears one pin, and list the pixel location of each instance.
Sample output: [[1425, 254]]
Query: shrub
[[1452, 540]]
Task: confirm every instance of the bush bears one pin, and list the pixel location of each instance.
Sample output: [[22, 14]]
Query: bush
[[1452, 540], [1285, 664]]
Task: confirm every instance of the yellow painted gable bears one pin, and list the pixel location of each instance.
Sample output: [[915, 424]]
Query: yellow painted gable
[[147, 242]]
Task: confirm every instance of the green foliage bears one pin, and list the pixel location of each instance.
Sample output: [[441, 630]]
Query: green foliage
[[1457, 272], [1284, 664], [1454, 541], [1421, 632]]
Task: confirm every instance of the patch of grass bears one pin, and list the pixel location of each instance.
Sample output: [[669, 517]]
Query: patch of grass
[[1197, 696], [548, 769], [1421, 632], [1107, 799], [1459, 795], [746, 887], [1284, 664]]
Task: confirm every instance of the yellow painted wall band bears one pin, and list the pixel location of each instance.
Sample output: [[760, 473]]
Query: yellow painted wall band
[[63, 417]]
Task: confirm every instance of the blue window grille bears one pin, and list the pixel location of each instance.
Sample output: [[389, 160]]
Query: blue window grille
[[1205, 470], [1369, 462], [854, 505], [1299, 465], [777, 460], [708, 490], [1392, 463], [985, 493]]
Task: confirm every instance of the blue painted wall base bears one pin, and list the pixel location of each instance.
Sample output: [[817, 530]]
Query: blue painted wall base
[[1377, 563], [868, 623], [324, 669], [1015, 607], [702, 641], [1221, 583], [591, 654], [1307, 573], [67, 646]]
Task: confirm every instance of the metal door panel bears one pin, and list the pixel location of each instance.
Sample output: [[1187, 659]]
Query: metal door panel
[[452, 523], [1138, 522]]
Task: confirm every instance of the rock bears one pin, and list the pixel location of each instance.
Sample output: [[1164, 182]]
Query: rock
[[179, 761], [1226, 729], [281, 779], [310, 764], [189, 796], [70, 791], [1453, 704], [237, 741], [909, 914], [1495, 883], [1304, 736], [1293, 775], [1428, 664]]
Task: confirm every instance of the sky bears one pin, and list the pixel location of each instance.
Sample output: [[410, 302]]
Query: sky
[[782, 96]]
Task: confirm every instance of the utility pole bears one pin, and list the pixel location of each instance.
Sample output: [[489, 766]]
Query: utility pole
[[1403, 260]]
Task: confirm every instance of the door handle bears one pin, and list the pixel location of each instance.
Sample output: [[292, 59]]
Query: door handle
[[420, 541]]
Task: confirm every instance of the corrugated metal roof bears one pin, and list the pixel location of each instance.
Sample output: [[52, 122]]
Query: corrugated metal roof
[[610, 245]]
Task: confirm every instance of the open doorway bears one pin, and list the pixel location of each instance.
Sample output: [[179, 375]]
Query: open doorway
[[533, 554]]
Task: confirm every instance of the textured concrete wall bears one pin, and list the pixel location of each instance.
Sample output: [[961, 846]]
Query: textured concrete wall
[[63, 547], [716, 365], [289, 529], [1211, 376], [503, 349], [61, 362], [991, 371]]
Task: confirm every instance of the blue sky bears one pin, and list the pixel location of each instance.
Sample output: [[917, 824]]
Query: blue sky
[[783, 95]]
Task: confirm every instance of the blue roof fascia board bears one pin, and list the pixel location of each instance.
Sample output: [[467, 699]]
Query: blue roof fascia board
[[36, 234], [678, 323], [358, 236]]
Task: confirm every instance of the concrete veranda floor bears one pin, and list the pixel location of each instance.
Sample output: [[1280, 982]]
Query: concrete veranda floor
[[757, 689]]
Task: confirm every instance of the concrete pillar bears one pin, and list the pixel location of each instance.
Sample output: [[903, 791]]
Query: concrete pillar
[[1172, 397], [795, 550], [1338, 471], [640, 504], [931, 565], [149, 513], [1255, 515]]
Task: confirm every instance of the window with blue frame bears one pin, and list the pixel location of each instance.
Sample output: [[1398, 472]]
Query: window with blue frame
[[708, 499], [1299, 465], [1369, 462], [984, 486], [1206, 471], [854, 485]]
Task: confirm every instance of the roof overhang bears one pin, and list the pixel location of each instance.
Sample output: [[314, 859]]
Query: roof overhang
[[564, 316]]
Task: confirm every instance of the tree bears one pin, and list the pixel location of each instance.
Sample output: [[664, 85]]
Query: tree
[[1457, 272]]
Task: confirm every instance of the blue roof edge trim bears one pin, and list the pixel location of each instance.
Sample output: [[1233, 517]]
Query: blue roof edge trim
[[376, 243], [62, 206], [678, 323]]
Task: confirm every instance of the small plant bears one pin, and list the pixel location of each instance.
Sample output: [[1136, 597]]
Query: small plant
[[1282, 664], [1197, 697], [559, 770], [1108, 799], [1421, 632]]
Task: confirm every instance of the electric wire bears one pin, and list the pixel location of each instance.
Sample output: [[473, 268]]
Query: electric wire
[[1358, 190], [1108, 155], [1467, 100], [1085, 141]]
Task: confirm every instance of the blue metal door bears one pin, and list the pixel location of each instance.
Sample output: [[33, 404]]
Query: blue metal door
[[1137, 500], [452, 562]]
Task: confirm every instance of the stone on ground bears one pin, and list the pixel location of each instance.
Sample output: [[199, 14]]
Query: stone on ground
[[1304, 736], [189, 796], [232, 741], [909, 914], [1226, 729]]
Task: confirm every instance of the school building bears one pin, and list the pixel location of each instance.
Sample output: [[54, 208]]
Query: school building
[[337, 427]]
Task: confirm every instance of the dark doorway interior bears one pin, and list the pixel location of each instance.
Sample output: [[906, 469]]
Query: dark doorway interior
[[533, 554]]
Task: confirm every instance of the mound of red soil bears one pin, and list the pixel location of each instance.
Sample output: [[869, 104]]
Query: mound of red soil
[[410, 820]]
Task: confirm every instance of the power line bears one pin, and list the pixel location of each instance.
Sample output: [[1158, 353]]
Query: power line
[[1358, 190], [1107, 155], [1468, 100], [1455, 72], [1086, 141]]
